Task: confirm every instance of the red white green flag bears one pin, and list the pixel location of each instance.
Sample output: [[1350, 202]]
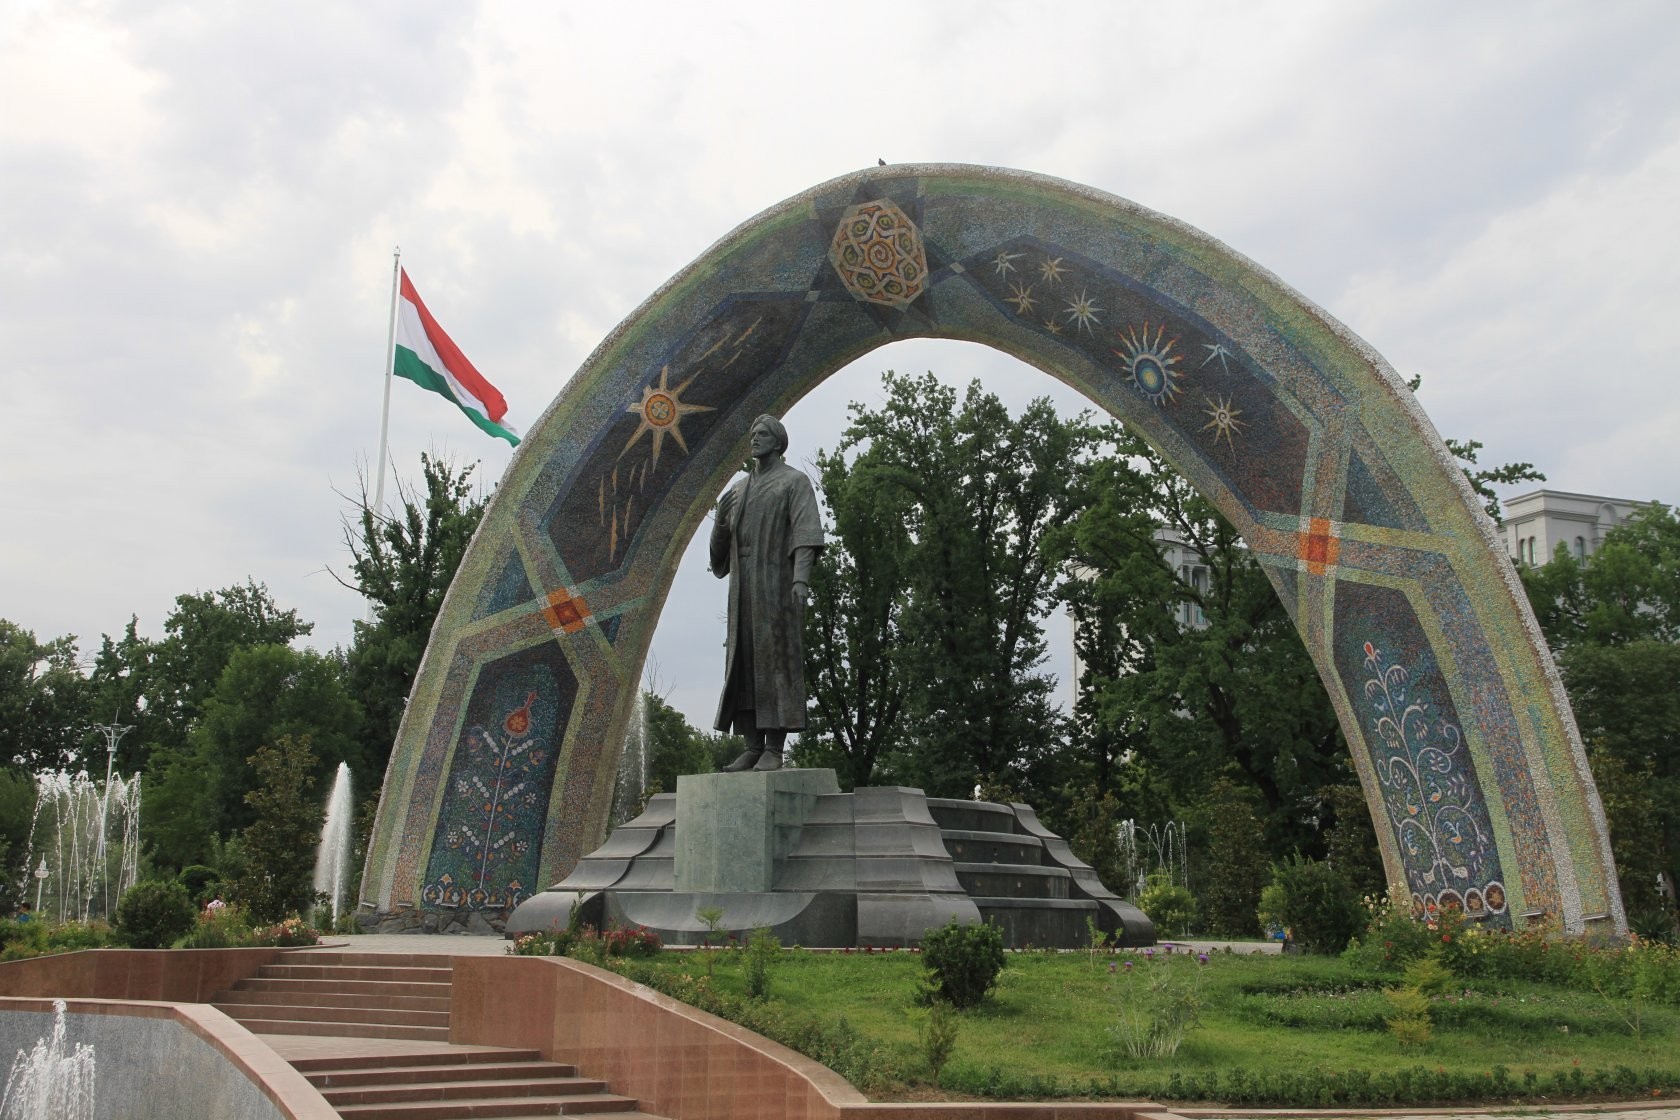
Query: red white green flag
[[429, 358]]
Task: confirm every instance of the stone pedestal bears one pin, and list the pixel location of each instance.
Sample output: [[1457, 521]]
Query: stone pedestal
[[735, 830], [787, 851]]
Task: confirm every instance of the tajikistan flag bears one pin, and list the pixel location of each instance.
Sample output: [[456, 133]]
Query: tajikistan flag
[[430, 359]]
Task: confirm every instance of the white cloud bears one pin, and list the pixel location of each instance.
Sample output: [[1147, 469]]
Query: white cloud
[[201, 204]]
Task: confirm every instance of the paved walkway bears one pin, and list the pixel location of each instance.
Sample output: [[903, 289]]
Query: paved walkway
[[454, 945]]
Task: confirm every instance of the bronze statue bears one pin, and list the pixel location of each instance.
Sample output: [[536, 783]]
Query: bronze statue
[[765, 538]]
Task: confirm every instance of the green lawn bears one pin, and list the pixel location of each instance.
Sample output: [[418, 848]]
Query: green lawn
[[1292, 1030]]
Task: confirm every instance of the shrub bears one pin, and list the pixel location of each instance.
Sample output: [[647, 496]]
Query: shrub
[[153, 913], [834, 1043], [543, 943], [36, 938], [1393, 938], [218, 927], [938, 1036], [1316, 904], [286, 934], [964, 961], [1158, 1001], [624, 941], [201, 882], [762, 950], [1172, 908]]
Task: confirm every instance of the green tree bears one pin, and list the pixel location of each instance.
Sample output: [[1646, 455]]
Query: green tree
[[1350, 838], [1235, 869], [1483, 479], [1187, 679], [123, 685], [403, 564], [160, 687], [1614, 624], [202, 634], [43, 700], [17, 810], [957, 608], [855, 648], [280, 842], [675, 748], [265, 693]]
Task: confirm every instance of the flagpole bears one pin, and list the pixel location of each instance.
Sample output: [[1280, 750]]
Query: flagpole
[[390, 373]]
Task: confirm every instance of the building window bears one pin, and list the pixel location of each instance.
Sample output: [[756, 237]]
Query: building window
[[1580, 548]]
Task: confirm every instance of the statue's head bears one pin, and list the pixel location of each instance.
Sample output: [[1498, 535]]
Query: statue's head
[[775, 431]]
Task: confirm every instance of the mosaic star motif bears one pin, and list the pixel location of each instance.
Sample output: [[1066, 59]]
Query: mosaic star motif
[[878, 252], [1223, 420], [1217, 350], [1083, 311], [661, 410]]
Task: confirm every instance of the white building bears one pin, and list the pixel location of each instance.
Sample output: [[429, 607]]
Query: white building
[[1538, 522]]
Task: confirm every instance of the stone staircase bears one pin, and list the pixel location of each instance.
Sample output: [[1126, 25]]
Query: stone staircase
[[1024, 878], [363, 995], [378, 1045], [460, 1082]]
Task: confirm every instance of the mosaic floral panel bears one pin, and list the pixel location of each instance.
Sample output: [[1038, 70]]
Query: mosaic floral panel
[[1431, 793], [496, 797]]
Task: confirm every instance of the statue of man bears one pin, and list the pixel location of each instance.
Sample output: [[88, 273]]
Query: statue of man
[[765, 538]]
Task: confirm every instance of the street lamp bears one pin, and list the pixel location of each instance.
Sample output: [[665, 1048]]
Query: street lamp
[[113, 733], [40, 881]]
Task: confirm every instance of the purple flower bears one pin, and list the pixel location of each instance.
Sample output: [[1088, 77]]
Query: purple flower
[[1168, 947], [1112, 966], [1149, 954], [1127, 966], [1202, 958]]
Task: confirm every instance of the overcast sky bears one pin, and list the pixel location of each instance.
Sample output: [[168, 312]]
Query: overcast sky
[[198, 204]]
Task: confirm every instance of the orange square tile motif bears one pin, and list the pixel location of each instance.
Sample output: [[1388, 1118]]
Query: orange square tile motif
[[565, 612], [1319, 549]]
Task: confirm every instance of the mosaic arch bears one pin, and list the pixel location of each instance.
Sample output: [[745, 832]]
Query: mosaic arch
[[502, 775]]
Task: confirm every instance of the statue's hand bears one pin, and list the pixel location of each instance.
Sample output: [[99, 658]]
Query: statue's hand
[[726, 503], [802, 594]]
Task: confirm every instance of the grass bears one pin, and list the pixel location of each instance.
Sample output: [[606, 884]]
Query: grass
[[1302, 1022]]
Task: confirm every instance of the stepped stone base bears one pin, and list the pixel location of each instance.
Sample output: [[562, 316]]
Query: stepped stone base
[[876, 867]]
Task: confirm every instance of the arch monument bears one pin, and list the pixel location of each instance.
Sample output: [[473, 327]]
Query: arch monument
[[502, 775]]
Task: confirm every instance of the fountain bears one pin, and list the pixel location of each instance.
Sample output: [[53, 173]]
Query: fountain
[[632, 765], [46, 1083], [332, 861], [86, 835], [1144, 849]]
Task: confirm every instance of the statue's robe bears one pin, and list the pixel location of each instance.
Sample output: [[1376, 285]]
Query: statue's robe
[[758, 546]]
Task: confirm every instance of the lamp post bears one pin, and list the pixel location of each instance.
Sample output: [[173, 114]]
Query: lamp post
[[40, 881], [113, 733]]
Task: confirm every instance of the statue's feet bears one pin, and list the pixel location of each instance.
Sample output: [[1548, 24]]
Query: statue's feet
[[746, 760], [770, 760]]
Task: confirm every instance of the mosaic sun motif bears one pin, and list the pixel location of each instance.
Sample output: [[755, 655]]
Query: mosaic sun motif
[[1149, 363], [878, 252]]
